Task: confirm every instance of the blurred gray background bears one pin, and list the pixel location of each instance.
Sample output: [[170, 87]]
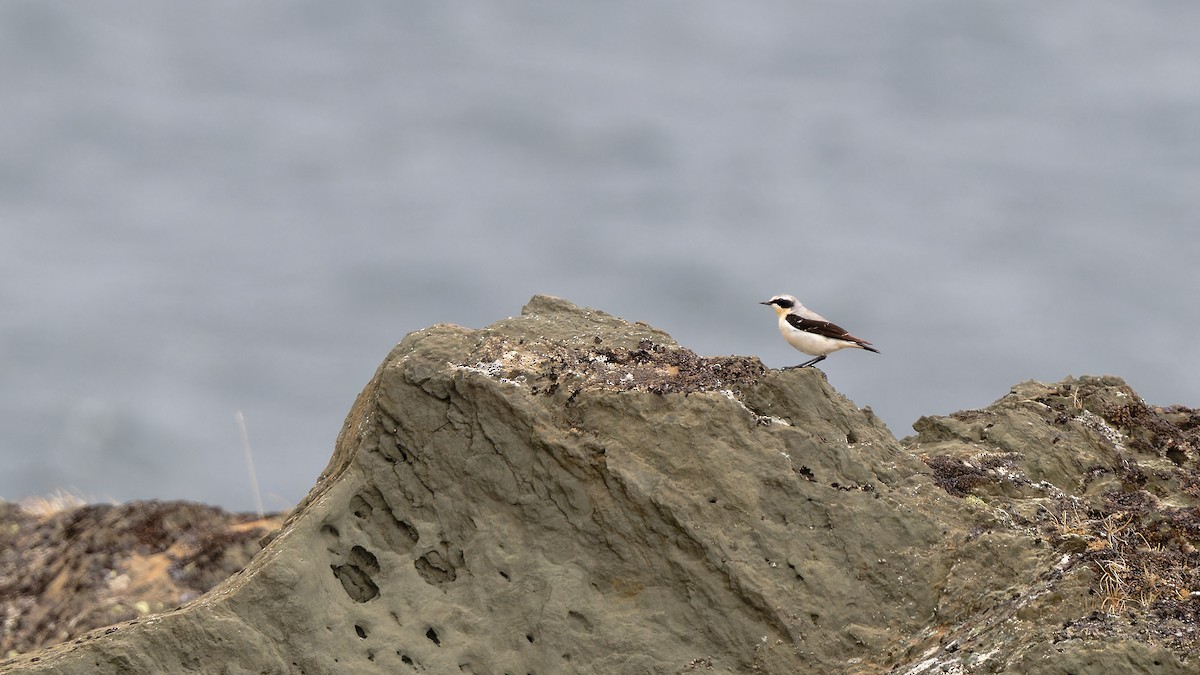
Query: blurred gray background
[[216, 207]]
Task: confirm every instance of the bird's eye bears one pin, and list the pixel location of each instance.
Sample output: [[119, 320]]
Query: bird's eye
[[786, 304]]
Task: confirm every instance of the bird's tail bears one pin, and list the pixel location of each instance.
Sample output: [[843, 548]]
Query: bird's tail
[[869, 348]]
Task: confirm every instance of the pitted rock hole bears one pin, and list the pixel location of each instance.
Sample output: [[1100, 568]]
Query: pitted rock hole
[[371, 508], [438, 567], [357, 583], [355, 575], [360, 507], [578, 621], [331, 535], [399, 534], [408, 530], [394, 452]]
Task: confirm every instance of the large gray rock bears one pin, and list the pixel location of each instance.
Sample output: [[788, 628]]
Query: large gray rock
[[565, 491]]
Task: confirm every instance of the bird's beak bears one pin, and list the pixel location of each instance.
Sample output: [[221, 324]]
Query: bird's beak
[[765, 303]]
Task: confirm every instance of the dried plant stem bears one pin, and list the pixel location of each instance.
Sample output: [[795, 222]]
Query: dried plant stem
[[241, 422]]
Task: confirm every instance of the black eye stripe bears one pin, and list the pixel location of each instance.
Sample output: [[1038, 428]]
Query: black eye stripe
[[786, 304]]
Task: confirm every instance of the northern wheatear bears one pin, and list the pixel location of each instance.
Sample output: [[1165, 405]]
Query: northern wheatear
[[810, 332]]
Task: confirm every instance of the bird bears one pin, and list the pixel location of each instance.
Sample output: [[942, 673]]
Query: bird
[[810, 332]]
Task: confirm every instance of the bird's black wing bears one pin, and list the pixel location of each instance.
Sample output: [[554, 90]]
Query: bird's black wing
[[826, 329]]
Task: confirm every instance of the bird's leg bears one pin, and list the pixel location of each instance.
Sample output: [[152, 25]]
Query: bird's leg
[[805, 364]]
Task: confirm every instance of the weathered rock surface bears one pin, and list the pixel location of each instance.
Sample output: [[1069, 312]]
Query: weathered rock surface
[[568, 492], [1088, 498]]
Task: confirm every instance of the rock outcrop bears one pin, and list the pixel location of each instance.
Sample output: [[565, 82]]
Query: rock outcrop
[[1082, 556], [565, 491]]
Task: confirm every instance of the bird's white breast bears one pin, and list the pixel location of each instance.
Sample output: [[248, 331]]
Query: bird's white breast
[[810, 343]]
